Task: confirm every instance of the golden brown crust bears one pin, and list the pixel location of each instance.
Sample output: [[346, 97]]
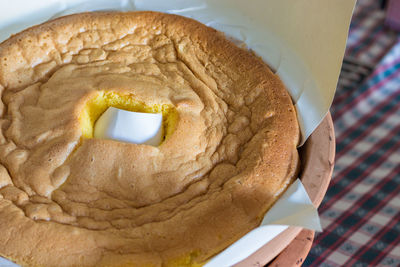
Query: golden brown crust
[[67, 202]]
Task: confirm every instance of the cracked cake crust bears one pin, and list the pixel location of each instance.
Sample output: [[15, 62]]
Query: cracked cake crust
[[66, 200]]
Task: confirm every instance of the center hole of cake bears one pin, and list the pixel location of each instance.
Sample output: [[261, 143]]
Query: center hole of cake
[[99, 103]]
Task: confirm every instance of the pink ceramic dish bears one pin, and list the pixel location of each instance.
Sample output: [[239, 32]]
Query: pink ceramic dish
[[317, 161]]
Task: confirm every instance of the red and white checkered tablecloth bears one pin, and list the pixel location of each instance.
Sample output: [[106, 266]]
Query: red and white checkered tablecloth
[[361, 211]]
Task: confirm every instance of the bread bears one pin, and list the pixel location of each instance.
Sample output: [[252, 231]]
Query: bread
[[67, 199]]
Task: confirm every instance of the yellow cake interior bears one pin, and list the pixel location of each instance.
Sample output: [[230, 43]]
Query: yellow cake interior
[[95, 106]]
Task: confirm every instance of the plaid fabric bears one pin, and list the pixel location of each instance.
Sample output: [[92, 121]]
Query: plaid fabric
[[361, 211], [392, 14]]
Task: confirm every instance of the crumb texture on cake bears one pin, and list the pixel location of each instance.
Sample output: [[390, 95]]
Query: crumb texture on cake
[[67, 199]]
